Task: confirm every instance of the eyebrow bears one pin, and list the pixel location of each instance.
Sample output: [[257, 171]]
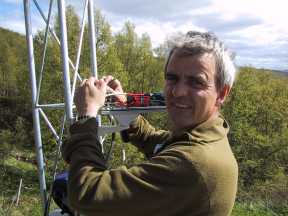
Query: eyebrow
[[173, 73], [204, 77]]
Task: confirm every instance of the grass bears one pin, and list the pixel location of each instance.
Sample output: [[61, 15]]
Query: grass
[[29, 205], [252, 209], [11, 171]]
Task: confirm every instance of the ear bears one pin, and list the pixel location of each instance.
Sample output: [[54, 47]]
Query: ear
[[222, 95]]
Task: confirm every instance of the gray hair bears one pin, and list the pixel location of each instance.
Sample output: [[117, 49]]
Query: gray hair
[[195, 43]]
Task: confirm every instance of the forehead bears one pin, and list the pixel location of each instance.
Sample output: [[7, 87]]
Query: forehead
[[192, 64]]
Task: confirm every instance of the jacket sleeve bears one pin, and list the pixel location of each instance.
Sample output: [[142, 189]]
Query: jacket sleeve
[[144, 136], [145, 189]]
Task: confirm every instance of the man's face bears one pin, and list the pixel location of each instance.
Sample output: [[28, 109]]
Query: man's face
[[190, 90]]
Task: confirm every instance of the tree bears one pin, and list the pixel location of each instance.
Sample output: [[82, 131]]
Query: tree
[[258, 120]]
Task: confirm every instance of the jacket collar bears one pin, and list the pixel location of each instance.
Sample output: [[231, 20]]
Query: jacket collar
[[209, 131]]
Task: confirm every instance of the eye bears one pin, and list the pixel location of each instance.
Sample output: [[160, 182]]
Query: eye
[[197, 83], [171, 77]]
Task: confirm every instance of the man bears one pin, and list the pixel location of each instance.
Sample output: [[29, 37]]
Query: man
[[191, 169]]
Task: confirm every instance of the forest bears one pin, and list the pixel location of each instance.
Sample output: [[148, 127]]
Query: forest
[[256, 111]]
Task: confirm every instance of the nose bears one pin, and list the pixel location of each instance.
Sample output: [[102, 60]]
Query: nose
[[179, 90]]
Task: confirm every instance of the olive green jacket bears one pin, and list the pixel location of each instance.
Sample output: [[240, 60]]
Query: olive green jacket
[[194, 173]]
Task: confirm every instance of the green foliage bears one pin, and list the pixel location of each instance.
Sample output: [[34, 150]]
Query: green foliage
[[258, 114], [252, 209], [12, 62], [108, 61], [143, 71]]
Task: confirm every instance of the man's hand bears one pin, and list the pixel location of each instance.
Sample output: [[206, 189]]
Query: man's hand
[[90, 96], [114, 86]]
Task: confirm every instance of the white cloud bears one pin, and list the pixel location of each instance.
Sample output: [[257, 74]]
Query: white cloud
[[17, 23], [264, 34], [250, 27], [159, 31], [160, 9], [273, 13]]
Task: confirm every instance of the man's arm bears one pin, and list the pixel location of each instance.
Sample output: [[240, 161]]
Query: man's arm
[[144, 136], [146, 189]]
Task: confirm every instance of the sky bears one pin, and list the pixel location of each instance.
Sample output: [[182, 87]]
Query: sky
[[256, 30]]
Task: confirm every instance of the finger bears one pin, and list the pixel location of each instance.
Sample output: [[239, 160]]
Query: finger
[[108, 78], [83, 82], [112, 82], [109, 90], [97, 82], [102, 84], [91, 82]]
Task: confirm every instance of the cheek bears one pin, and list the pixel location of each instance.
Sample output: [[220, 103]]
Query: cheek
[[167, 91], [209, 101], [203, 98]]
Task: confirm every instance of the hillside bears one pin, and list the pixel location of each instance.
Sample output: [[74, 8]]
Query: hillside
[[284, 72], [6, 33]]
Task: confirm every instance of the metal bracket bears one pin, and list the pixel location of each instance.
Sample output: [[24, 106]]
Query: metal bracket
[[124, 116]]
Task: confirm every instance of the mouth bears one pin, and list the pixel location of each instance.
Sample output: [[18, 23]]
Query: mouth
[[180, 106]]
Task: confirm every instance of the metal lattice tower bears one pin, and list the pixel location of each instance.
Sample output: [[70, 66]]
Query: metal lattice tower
[[120, 115], [38, 109]]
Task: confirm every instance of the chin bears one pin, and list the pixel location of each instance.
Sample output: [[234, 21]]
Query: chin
[[181, 126]]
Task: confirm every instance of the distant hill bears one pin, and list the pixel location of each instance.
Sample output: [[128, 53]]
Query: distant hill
[[10, 31], [13, 62], [279, 72], [284, 72], [12, 43], [8, 36]]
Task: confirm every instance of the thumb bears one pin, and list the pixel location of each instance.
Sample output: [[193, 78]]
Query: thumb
[[102, 85], [110, 90]]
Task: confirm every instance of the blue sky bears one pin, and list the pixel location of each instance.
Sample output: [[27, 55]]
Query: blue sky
[[256, 30]]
